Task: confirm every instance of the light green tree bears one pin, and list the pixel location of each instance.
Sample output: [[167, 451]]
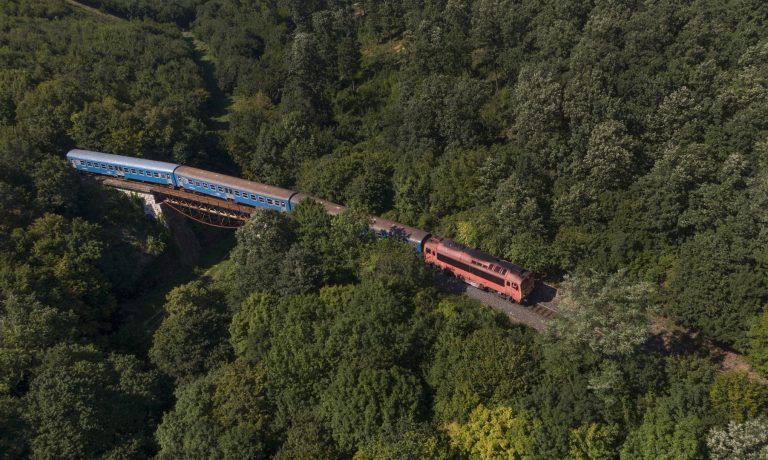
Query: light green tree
[[593, 441], [737, 398], [492, 434]]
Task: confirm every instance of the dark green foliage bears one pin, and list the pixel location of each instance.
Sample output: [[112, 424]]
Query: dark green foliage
[[490, 366], [257, 259], [625, 140], [83, 403], [362, 401], [192, 337], [225, 414]]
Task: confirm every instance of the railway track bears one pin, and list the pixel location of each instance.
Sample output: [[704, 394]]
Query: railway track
[[543, 306], [544, 311]]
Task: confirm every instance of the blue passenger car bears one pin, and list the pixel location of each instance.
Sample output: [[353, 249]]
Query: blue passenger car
[[138, 169], [234, 189]]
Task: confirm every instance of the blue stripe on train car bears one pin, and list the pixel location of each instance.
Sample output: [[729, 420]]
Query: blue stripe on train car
[[262, 201], [220, 191], [137, 169]]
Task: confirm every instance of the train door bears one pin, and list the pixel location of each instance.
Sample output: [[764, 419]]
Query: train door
[[230, 197], [120, 172]]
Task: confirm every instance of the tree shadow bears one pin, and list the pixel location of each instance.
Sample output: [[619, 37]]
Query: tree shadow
[[542, 292]]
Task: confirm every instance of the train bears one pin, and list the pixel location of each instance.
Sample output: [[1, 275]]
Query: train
[[472, 266]]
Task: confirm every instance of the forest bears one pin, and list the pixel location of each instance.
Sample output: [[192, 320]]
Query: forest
[[618, 149]]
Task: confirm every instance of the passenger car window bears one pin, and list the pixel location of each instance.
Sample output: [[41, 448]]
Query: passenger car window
[[221, 189], [261, 199], [253, 197], [133, 171]]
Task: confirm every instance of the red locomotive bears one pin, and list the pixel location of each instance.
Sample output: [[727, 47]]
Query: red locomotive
[[478, 268]]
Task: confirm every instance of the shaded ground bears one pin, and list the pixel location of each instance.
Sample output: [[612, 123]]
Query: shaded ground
[[93, 11], [195, 250], [219, 102], [669, 338]]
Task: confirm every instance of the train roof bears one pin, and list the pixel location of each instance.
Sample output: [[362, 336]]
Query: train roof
[[330, 207], [412, 234], [131, 162], [234, 182], [485, 257]]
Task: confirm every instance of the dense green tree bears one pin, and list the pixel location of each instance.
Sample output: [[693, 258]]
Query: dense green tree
[[307, 440], [674, 425], [406, 440], [758, 344], [736, 397], [193, 337], [487, 366], [61, 261], [666, 434], [593, 442], [360, 402], [83, 403], [224, 414], [258, 254], [720, 304]]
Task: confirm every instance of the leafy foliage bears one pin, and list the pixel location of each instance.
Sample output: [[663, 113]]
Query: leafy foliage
[[620, 143]]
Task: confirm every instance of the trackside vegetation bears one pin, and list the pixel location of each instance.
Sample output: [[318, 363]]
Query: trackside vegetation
[[619, 150]]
